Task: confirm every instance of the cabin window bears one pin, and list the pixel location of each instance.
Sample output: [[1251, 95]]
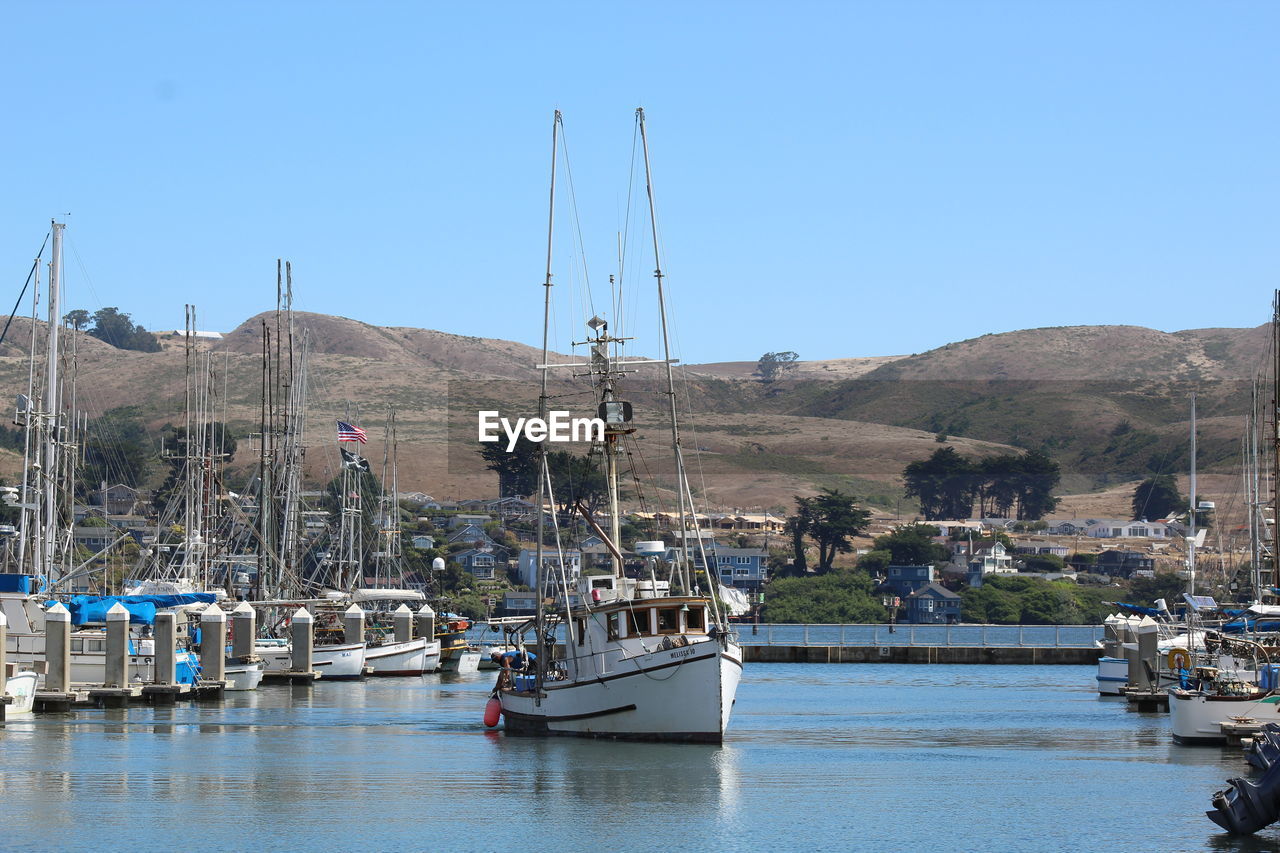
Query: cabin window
[[95, 645], [581, 625], [613, 626], [638, 623], [77, 645], [696, 619], [668, 620]]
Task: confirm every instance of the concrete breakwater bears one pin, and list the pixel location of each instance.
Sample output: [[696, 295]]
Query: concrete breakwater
[[920, 654]]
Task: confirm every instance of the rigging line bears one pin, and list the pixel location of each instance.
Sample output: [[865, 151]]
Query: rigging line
[[577, 223], [30, 275]]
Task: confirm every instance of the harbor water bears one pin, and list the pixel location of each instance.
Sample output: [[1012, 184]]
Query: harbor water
[[818, 757]]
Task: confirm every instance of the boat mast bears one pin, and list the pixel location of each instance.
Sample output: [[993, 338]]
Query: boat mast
[[1269, 577], [1255, 501], [1191, 526], [51, 411], [685, 573], [539, 592]]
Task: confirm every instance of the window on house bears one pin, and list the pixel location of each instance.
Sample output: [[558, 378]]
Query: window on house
[[668, 620], [744, 561], [726, 559], [742, 572]]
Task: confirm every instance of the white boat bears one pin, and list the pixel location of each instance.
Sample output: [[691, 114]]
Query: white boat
[[462, 661], [412, 658], [1196, 717], [668, 677], [244, 676], [334, 663], [638, 662], [21, 690]]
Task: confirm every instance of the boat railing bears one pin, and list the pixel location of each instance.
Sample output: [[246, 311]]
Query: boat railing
[[958, 635]]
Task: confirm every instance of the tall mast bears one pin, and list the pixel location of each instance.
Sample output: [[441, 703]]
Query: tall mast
[[1255, 501], [681, 486], [1191, 527], [52, 408], [539, 592], [1269, 578]]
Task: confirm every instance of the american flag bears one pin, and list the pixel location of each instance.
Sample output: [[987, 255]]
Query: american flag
[[347, 432]]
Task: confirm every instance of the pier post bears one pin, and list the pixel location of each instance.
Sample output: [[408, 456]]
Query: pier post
[[57, 649], [302, 636], [427, 622], [402, 621], [116, 673], [244, 629], [353, 624], [213, 643], [1110, 639], [4, 671], [166, 667], [1148, 649]]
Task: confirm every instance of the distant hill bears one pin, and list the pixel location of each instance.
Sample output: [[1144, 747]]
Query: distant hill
[[1110, 402]]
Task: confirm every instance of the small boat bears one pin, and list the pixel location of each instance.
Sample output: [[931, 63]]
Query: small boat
[[414, 657], [334, 663], [456, 654], [244, 676], [20, 689]]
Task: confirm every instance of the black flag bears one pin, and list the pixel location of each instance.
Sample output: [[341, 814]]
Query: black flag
[[351, 460]]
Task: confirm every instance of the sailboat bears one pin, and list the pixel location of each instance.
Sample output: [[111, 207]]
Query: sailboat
[[642, 659]]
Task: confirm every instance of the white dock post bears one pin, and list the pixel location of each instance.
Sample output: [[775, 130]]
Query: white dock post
[[244, 629], [117, 665], [427, 622], [4, 672], [213, 643], [402, 621], [1148, 649], [166, 668], [353, 624], [57, 649], [302, 635]]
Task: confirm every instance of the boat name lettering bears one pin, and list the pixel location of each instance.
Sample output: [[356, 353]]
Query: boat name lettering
[[683, 653], [558, 427]]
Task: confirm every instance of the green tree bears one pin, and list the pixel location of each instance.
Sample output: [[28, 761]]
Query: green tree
[[831, 519], [772, 365], [1157, 497], [117, 449], [945, 483], [112, 326], [216, 436], [517, 471], [836, 597], [77, 319], [1043, 563], [911, 545], [576, 479]]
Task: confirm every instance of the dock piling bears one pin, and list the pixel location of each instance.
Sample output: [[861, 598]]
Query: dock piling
[[302, 635], [353, 624], [166, 668], [244, 629], [402, 622], [213, 643], [57, 649], [426, 622], [116, 673]]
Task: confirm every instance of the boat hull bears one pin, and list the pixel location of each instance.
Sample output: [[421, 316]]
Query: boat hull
[[1113, 673], [684, 694], [1197, 718], [461, 661], [412, 658], [21, 688], [244, 676], [334, 663]]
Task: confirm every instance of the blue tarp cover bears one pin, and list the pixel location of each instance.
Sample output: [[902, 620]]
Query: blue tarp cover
[[92, 609]]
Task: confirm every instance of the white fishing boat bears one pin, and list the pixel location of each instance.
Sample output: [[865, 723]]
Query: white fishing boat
[[638, 662], [341, 662], [244, 676], [20, 689], [411, 658], [462, 661]]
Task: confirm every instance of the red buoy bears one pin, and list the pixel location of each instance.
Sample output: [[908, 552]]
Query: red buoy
[[492, 712]]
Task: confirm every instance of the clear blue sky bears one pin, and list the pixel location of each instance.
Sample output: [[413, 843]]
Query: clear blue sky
[[840, 179]]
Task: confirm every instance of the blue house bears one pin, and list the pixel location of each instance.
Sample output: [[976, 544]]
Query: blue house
[[479, 562], [904, 580], [932, 604], [423, 542], [741, 568]]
